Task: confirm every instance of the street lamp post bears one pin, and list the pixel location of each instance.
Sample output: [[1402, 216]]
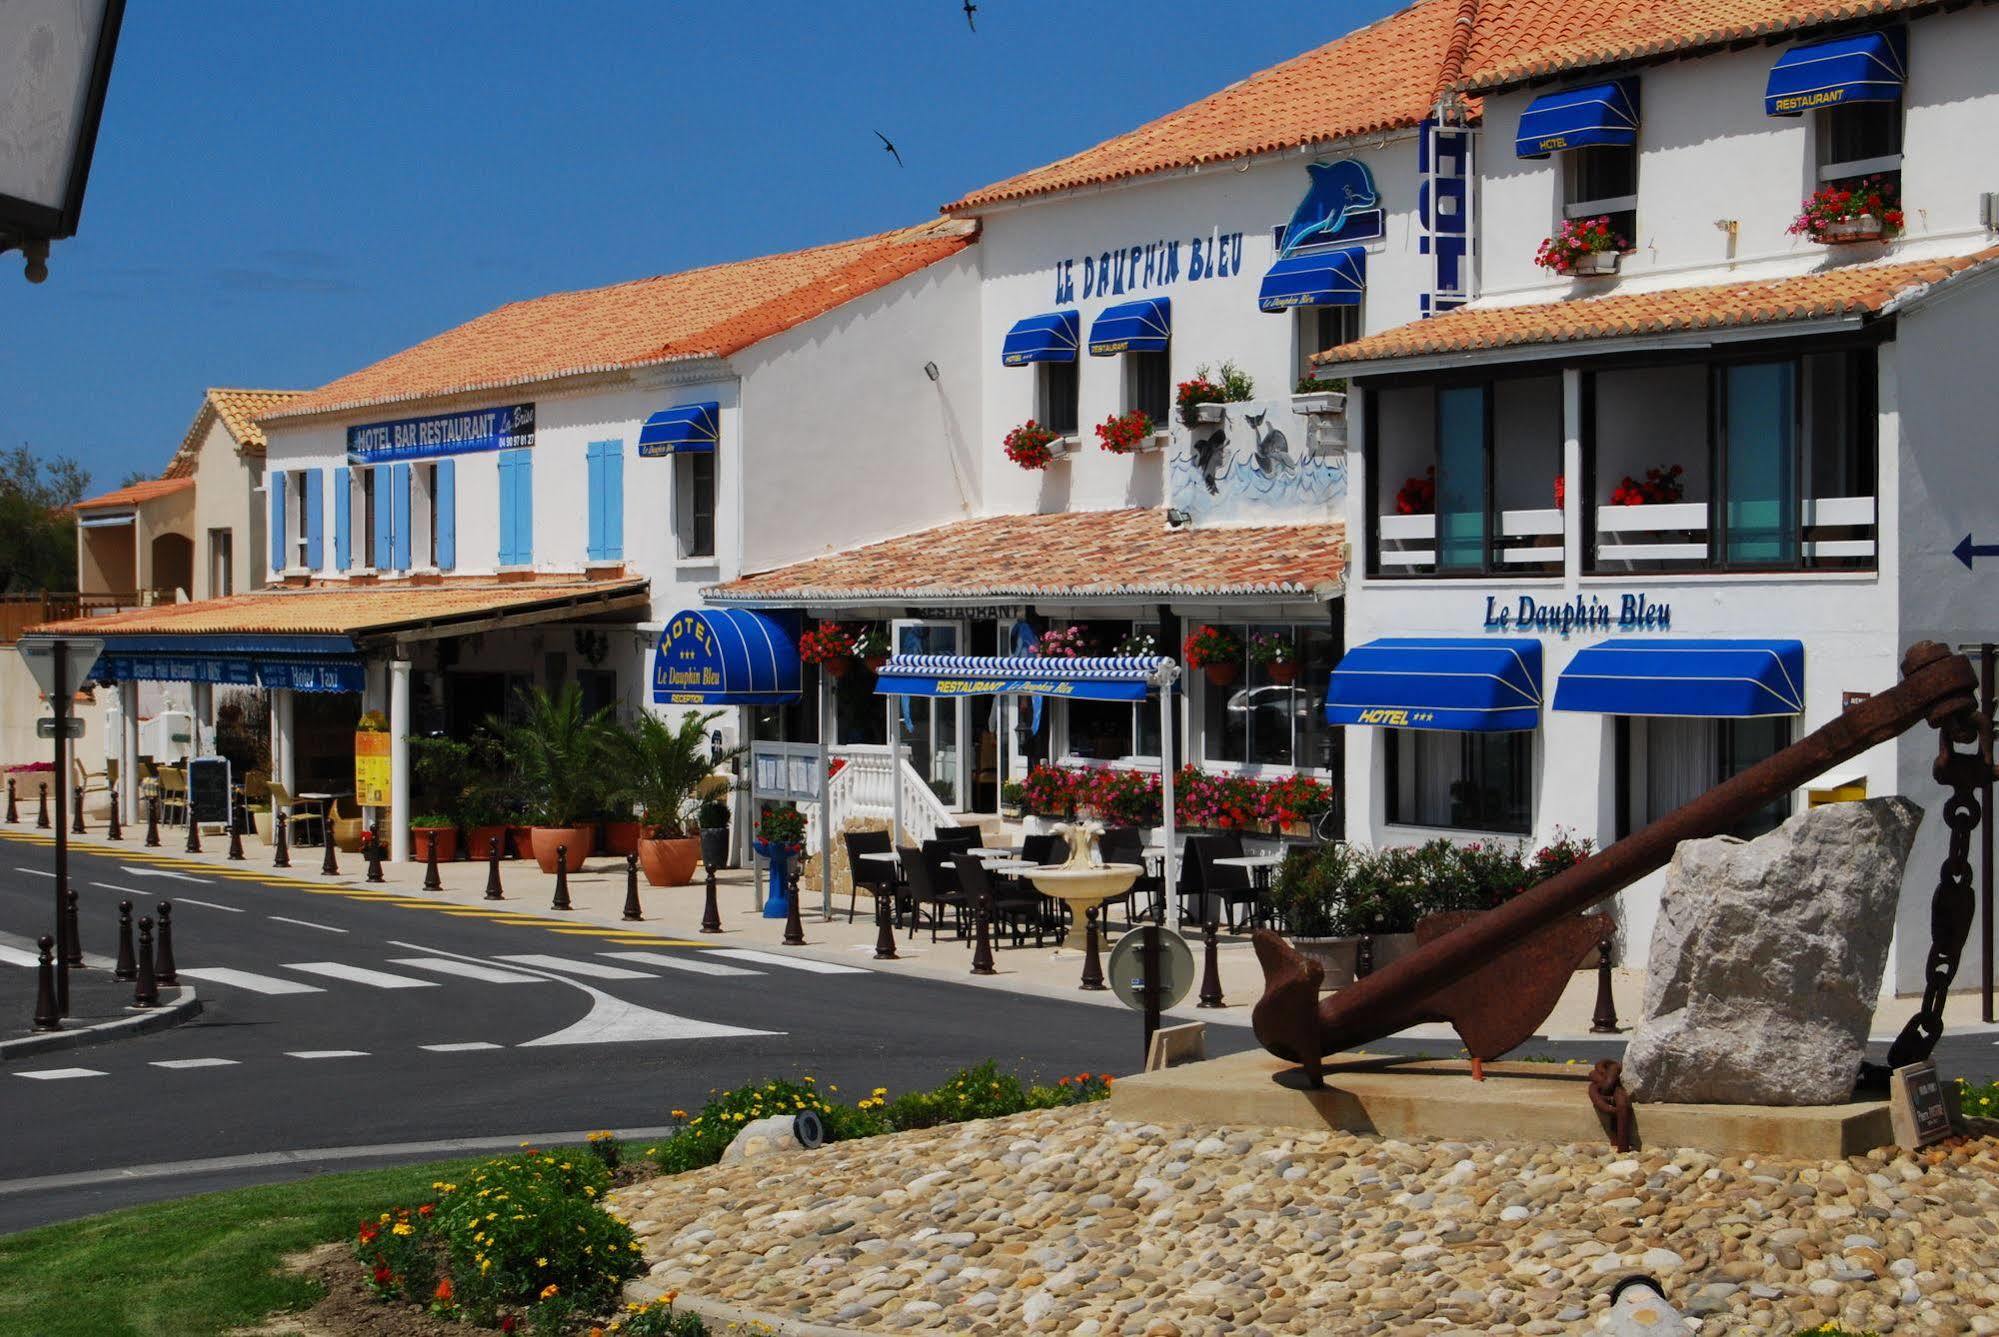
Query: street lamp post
[[49, 118]]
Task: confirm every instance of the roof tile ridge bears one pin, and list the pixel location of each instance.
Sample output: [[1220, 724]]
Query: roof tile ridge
[[1463, 29]]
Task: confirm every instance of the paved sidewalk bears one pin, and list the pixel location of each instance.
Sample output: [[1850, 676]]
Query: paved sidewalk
[[598, 896]]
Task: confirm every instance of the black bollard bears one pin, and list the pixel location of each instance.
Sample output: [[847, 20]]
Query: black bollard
[[193, 830], [711, 913], [13, 811], [72, 946], [280, 818], [561, 901], [76, 818], [493, 890], [236, 837], [146, 992], [113, 831], [794, 929], [328, 866], [632, 910], [372, 854], [127, 968], [42, 817], [1605, 1020], [163, 955], [982, 937], [47, 1018], [431, 881], [1211, 967], [153, 822]]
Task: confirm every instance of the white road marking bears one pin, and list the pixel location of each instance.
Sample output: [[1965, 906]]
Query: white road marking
[[804, 963], [14, 956], [687, 963], [340, 970], [466, 970], [589, 969], [243, 979], [460, 1047], [128, 891], [31, 872], [207, 905], [326, 1053], [306, 923], [193, 1063], [59, 1074], [161, 872]]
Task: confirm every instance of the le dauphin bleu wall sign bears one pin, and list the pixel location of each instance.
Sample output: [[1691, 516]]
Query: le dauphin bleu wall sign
[[1585, 612]]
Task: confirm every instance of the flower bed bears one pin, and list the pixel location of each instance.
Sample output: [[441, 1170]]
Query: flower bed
[[1132, 798]]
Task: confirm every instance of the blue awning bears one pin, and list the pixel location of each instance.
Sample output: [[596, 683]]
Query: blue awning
[[1705, 679], [1578, 118], [1867, 67], [1479, 686], [1133, 327], [1119, 678], [684, 429], [300, 663], [726, 657], [1319, 278], [1044, 338]]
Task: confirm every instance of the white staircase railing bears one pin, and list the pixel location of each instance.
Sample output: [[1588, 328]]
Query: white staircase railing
[[865, 787]]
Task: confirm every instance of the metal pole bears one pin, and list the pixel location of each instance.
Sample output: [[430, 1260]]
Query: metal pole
[[59, 703], [1005, 703], [1148, 961], [825, 806], [1988, 670], [895, 768], [1168, 864]]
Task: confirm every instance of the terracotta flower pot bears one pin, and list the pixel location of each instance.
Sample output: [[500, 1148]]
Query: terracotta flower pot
[[1283, 672], [875, 663], [837, 668], [546, 839], [445, 836], [1222, 675], [671, 862], [479, 841], [520, 839], [622, 838]]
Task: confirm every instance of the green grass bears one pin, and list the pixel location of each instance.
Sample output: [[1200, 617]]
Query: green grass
[[191, 1267]]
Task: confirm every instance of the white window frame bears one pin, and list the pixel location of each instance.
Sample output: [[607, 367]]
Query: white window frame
[[295, 517], [683, 519], [1840, 171], [1197, 710], [423, 516], [1312, 315], [1611, 204]]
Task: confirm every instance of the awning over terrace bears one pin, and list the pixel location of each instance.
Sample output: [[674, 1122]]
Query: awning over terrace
[[1121, 678]]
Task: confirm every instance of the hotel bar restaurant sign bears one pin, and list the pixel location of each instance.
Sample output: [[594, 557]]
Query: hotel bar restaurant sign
[[466, 433]]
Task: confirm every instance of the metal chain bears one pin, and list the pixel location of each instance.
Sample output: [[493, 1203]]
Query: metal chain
[[1952, 908]]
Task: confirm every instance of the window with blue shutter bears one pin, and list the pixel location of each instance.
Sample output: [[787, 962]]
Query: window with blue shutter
[[385, 525], [607, 501], [399, 496], [444, 505], [274, 483], [343, 511], [312, 504], [516, 507]]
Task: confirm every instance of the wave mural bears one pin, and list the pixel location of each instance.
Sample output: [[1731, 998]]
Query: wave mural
[[1255, 466]]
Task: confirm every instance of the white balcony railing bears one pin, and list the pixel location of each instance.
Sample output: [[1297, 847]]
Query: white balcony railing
[[1525, 539]]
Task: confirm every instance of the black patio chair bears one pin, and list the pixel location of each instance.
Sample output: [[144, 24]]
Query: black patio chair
[[876, 876], [1233, 886], [1013, 905]]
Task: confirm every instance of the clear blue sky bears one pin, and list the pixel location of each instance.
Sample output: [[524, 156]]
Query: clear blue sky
[[285, 192]]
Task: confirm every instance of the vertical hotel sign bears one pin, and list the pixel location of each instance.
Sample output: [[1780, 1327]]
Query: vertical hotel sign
[[467, 433]]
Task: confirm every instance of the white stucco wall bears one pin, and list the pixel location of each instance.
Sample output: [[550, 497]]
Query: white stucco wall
[[226, 497]]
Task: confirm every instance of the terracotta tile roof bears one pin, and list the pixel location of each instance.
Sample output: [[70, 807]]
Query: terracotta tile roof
[[1864, 290], [711, 312], [239, 411], [150, 489], [1526, 39], [342, 611], [1071, 554], [1385, 76]]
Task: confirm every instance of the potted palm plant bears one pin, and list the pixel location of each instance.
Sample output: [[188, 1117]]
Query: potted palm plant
[[438, 770], [661, 766], [557, 752]]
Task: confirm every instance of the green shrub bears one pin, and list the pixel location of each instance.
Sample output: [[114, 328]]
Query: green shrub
[[526, 1229], [608, 1150], [657, 1318]]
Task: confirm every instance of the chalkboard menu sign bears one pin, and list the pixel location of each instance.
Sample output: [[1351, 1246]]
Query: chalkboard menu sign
[[208, 790]]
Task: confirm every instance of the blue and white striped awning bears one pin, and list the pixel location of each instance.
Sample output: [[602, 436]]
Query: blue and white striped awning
[[726, 657], [1119, 678], [1050, 337], [1143, 326], [1701, 679], [1477, 686], [1318, 278], [1866, 67], [684, 429], [1579, 118]]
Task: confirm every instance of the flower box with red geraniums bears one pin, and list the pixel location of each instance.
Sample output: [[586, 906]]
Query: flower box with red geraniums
[[1276, 653], [1128, 433], [829, 645], [1582, 246], [1291, 803], [1198, 401], [1062, 643], [1866, 210], [1418, 496], [1217, 651], [1325, 395], [1033, 446], [1661, 487]]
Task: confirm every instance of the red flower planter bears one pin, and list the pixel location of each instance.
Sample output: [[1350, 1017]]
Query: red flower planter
[[1222, 675], [446, 838], [1283, 673]]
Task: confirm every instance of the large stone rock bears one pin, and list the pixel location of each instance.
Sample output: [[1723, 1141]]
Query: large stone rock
[[1767, 959], [778, 1135]]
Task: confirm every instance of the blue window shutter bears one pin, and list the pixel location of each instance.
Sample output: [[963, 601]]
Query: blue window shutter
[[385, 533], [614, 500], [312, 504], [444, 491], [524, 507], [343, 537], [506, 463], [399, 495], [274, 483], [597, 534]]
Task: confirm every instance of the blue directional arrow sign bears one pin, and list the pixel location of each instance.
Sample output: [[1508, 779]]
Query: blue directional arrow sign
[[1967, 550]]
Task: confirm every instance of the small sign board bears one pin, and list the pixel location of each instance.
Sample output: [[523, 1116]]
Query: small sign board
[[81, 657], [372, 768], [1917, 1107], [1171, 1046], [1127, 968], [72, 727], [208, 790]]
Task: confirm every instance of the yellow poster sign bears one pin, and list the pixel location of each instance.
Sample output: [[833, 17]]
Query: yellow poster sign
[[371, 769]]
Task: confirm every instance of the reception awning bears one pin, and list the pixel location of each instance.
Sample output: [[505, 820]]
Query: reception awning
[[1120, 678], [684, 429], [1044, 338], [1866, 67], [1133, 327], [1478, 686], [1578, 118], [1335, 277], [1722, 679], [726, 657]]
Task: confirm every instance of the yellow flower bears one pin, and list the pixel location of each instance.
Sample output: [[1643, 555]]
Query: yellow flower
[[809, 1080], [402, 1228], [541, 1262], [679, 1114], [485, 1266]]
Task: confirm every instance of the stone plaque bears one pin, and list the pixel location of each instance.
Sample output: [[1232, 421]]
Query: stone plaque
[[1917, 1107]]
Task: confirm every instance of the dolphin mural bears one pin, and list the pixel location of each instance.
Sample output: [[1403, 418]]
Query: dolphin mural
[[1338, 190]]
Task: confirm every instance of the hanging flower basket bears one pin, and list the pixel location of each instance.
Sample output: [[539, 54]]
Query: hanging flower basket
[[1217, 652], [1859, 211], [871, 648], [829, 645], [1276, 653]]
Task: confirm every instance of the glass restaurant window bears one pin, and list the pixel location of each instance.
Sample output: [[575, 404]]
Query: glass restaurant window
[[1148, 385], [1859, 139], [1112, 730], [1665, 763], [1601, 181], [694, 504], [1463, 781], [1323, 327], [1258, 720], [1058, 392]]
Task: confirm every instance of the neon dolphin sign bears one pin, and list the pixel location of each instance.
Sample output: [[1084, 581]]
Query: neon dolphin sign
[[1338, 191]]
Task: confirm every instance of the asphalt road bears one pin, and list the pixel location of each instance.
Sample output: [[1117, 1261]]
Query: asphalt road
[[345, 1026]]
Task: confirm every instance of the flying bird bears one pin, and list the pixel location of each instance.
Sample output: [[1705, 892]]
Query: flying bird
[[971, 9], [886, 144]]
